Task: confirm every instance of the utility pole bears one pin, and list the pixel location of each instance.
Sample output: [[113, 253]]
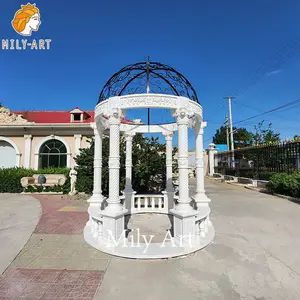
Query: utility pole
[[227, 133], [231, 130]]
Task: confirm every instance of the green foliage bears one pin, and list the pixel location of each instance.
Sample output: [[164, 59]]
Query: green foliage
[[285, 184], [148, 165], [241, 136], [264, 136], [10, 180], [261, 135]]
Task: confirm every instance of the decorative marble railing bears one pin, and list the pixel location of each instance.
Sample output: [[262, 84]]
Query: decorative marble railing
[[202, 222], [149, 203], [96, 226]]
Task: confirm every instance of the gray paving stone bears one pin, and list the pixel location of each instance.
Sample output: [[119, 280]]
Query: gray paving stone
[[19, 216], [254, 256]]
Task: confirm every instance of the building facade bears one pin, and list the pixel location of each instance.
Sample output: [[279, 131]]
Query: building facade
[[42, 139]]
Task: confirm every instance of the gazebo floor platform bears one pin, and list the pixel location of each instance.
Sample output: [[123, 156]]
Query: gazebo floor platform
[[149, 236]]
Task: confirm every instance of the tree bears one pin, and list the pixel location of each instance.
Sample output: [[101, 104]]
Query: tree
[[148, 165], [241, 136], [264, 136], [296, 138], [220, 136]]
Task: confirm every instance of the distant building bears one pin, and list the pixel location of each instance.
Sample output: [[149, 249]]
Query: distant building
[[221, 147], [41, 139]]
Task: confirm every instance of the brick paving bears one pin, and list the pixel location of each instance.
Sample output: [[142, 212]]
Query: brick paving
[[54, 220], [56, 262], [19, 283]]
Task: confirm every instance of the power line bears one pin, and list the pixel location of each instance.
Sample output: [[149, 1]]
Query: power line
[[263, 113], [275, 115], [269, 111], [280, 57], [285, 53], [288, 51]]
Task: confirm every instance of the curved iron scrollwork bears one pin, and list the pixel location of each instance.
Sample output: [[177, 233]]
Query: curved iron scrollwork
[[161, 79]]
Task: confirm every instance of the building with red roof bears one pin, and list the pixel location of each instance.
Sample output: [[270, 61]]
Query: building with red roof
[[41, 139]]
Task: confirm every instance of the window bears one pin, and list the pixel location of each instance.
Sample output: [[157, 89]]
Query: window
[[53, 153], [76, 117]]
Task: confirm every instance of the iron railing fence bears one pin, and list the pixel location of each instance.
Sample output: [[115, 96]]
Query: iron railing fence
[[260, 162]]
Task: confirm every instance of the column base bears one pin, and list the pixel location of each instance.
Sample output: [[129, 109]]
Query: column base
[[201, 200], [128, 198], [184, 226], [96, 200], [184, 207], [114, 208], [170, 200], [113, 227]]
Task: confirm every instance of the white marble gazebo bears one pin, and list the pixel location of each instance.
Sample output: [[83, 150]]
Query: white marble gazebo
[[106, 229]]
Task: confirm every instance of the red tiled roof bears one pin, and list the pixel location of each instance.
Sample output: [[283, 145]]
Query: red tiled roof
[[58, 117]]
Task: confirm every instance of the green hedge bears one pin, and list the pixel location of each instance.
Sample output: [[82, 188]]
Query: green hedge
[[285, 184], [10, 180]]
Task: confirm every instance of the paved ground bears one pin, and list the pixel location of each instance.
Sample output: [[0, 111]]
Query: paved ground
[[19, 216], [254, 256]]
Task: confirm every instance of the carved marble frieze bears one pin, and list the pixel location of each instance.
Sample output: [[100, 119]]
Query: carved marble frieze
[[9, 118]]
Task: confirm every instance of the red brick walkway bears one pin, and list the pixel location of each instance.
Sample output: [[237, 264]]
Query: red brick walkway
[[59, 222], [49, 284], [53, 283]]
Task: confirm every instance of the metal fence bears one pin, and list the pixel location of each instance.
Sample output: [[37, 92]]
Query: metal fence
[[260, 162]]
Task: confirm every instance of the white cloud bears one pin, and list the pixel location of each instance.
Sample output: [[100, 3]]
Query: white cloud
[[274, 72]]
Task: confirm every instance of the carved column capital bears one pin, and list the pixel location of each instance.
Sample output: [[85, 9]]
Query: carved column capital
[[115, 117], [129, 136], [182, 116], [168, 135]]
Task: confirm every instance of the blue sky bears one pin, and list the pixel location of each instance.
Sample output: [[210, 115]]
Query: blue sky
[[215, 44]]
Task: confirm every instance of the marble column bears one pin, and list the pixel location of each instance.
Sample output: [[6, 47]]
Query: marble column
[[169, 171], [27, 156], [200, 197], [77, 138], [183, 161], [211, 158], [128, 191], [128, 163], [97, 196], [114, 204], [169, 192]]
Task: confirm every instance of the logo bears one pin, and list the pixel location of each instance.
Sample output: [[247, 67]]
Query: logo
[[26, 20]]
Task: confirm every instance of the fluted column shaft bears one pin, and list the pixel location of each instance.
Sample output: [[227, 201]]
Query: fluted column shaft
[[199, 162], [184, 200], [212, 151], [114, 163], [128, 162], [169, 169], [97, 190]]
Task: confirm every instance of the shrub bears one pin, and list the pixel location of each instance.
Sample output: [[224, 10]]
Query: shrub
[[285, 184], [148, 165], [10, 179]]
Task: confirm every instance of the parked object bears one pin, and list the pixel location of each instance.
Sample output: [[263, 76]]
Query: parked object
[[51, 180]]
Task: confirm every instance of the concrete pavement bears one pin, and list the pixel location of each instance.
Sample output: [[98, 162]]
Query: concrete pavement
[[19, 216], [255, 255]]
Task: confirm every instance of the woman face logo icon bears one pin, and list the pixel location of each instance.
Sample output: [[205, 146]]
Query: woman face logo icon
[[26, 20]]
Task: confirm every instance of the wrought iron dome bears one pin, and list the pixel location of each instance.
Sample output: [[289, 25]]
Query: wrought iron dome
[[148, 77]]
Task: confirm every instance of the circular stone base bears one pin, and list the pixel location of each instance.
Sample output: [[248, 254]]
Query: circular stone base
[[149, 237], [148, 224]]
